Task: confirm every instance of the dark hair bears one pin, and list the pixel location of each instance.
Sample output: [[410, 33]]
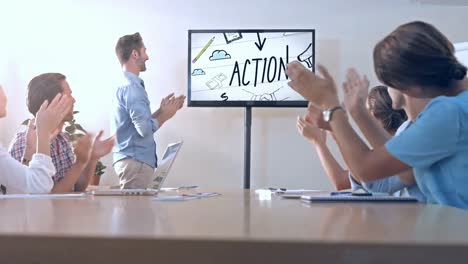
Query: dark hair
[[380, 105], [43, 87], [126, 45], [417, 54]]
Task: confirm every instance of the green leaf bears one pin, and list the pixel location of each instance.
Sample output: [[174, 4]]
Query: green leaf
[[75, 137], [79, 127], [25, 122], [70, 129], [99, 168]]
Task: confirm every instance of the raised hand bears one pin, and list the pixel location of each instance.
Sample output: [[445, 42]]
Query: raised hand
[[320, 91], [355, 91], [315, 116], [166, 99], [311, 132], [169, 107], [83, 149], [49, 116], [101, 147], [180, 100]]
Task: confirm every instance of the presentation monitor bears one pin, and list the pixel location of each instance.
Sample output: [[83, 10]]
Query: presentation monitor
[[240, 68]]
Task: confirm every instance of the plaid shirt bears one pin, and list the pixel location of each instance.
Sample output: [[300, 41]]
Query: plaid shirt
[[61, 152]]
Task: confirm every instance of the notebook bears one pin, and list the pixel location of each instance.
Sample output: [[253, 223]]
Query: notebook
[[160, 175]]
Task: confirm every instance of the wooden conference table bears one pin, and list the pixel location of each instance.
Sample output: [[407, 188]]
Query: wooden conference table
[[236, 227]]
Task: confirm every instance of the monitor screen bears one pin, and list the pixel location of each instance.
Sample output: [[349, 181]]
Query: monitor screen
[[246, 67]]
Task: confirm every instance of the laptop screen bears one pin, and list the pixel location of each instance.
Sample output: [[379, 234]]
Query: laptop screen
[[171, 150], [164, 165]]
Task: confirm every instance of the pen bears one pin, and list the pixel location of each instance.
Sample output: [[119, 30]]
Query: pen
[[203, 50], [362, 194], [341, 193]]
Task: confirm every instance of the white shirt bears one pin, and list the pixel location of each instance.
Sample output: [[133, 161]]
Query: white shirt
[[18, 178]]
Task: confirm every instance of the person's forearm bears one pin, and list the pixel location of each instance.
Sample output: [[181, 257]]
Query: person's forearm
[[156, 113], [372, 131], [67, 183], [335, 172], [28, 153], [159, 117], [43, 142], [85, 178], [377, 136], [161, 121], [362, 162], [95, 180]]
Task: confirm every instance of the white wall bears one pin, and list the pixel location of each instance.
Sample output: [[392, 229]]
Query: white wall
[[462, 52], [77, 38]]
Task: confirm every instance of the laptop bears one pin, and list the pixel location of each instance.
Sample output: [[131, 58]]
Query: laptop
[[160, 175], [165, 164]]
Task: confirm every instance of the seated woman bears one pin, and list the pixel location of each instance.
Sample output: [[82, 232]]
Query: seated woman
[[418, 61]]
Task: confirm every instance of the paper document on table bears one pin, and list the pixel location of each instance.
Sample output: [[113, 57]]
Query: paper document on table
[[184, 197], [168, 189]]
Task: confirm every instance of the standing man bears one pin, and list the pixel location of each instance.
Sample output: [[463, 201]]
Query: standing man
[[134, 124]]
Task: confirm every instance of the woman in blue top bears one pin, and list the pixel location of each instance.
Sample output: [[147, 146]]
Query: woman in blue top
[[419, 61]]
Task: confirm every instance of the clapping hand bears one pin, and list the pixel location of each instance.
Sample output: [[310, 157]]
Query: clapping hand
[[310, 131], [169, 107], [100, 147], [320, 91], [49, 116], [355, 91]]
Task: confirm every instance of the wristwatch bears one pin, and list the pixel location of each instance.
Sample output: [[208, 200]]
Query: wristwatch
[[327, 113]]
